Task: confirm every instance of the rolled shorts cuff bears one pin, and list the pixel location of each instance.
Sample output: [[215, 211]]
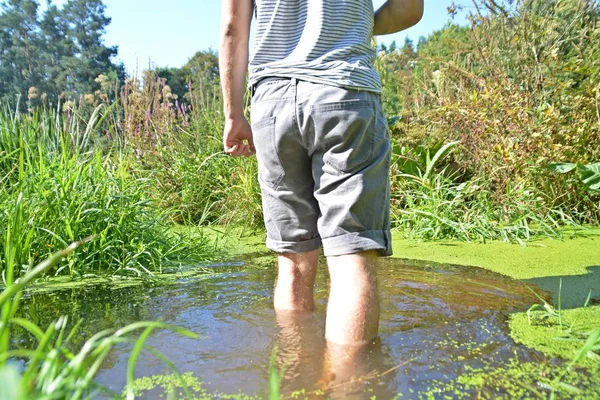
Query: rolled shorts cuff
[[358, 242], [279, 246]]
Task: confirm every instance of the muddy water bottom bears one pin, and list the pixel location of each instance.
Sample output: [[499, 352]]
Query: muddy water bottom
[[436, 322]]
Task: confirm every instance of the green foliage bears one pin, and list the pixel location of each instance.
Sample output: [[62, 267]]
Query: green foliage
[[179, 148], [588, 174], [68, 190], [519, 90], [198, 77], [436, 202]]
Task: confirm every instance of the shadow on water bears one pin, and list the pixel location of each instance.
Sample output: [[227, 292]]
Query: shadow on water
[[436, 321], [573, 289]]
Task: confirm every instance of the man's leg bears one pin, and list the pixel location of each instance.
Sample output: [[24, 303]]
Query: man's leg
[[295, 281], [353, 308]]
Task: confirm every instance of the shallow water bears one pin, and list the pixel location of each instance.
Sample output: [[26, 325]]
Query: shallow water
[[436, 321]]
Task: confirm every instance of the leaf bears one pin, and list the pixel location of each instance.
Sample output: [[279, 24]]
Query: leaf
[[562, 168], [590, 175], [438, 155], [569, 388], [409, 167], [592, 341]]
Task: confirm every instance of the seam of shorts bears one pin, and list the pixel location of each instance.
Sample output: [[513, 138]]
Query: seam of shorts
[[367, 240], [280, 246], [276, 100]]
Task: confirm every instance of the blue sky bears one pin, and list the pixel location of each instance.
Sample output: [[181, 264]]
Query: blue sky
[[167, 33]]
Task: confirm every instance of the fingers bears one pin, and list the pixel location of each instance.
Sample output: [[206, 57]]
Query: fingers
[[240, 150], [237, 138]]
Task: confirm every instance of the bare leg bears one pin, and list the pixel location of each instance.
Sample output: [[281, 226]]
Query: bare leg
[[353, 308], [348, 369], [295, 281]]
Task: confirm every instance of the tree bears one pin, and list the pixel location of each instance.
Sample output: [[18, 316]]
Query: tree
[[177, 78], [408, 49], [60, 52], [20, 44], [88, 57], [421, 43], [392, 47], [200, 74], [203, 69], [54, 30]]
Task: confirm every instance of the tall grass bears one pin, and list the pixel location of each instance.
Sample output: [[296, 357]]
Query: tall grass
[[62, 184], [69, 187], [517, 89], [432, 201], [179, 148]]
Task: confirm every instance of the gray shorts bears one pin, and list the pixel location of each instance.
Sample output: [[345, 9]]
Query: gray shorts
[[323, 158]]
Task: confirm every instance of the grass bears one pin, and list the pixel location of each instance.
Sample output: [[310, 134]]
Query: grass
[[62, 190], [58, 187], [431, 202]]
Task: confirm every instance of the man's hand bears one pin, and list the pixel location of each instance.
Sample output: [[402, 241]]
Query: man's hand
[[397, 15], [233, 66], [237, 138]]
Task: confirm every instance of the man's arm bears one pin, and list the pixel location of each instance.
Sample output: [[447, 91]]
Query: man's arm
[[397, 15], [233, 66]]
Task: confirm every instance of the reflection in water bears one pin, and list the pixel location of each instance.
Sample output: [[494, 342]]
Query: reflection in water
[[435, 322], [351, 371], [300, 344], [336, 371]]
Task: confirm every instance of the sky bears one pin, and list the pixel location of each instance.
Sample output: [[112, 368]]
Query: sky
[[167, 33]]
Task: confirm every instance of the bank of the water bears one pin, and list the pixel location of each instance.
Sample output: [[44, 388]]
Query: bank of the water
[[574, 255]]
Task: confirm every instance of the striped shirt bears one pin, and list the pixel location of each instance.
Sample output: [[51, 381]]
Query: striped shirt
[[321, 41]]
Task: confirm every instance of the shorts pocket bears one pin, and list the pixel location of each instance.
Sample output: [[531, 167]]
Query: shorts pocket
[[346, 133], [270, 170]]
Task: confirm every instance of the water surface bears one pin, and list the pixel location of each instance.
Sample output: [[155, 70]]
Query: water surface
[[436, 322]]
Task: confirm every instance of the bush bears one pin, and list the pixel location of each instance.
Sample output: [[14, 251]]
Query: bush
[[518, 89]]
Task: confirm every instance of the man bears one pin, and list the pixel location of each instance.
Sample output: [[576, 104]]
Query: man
[[321, 141]]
